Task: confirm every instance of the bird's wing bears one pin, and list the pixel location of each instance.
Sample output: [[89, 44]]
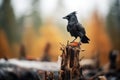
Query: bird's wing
[[80, 28], [68, 28]]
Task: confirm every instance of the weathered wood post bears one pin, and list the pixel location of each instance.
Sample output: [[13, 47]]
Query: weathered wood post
[[70, 62]]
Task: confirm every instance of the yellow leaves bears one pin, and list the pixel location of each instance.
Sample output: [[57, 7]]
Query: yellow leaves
[[4, 46]]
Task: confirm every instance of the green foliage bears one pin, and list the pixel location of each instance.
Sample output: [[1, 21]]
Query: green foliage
[[7, 21], [113, 24], [35, 14]]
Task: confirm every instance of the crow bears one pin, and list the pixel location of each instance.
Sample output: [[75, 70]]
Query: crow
[[75, 28]]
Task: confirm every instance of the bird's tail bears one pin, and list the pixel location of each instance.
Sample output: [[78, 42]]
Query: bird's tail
[[85, 39]]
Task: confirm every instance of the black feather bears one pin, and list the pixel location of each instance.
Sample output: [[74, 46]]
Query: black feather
[[75, 28]]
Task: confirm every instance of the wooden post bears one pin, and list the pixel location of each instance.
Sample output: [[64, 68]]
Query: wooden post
[[70, 62], [45, 78]]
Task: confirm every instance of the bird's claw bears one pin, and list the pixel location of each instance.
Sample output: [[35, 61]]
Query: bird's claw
[[73, 40], [79, 43]]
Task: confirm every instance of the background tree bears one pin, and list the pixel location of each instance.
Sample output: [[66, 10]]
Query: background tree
[[35, 14], [113, 24], [8, 21]]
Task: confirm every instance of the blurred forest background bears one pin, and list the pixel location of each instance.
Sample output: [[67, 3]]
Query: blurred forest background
[[36, 27]]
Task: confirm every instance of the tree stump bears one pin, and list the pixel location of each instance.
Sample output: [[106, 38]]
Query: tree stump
[[70, 62]]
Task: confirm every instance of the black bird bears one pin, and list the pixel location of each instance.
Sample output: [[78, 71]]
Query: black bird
[[75, 28]]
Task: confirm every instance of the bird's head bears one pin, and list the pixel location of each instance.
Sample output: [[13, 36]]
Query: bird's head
[[70, 15]]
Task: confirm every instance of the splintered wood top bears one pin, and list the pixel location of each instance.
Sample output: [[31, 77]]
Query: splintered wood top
[[74, 44]]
